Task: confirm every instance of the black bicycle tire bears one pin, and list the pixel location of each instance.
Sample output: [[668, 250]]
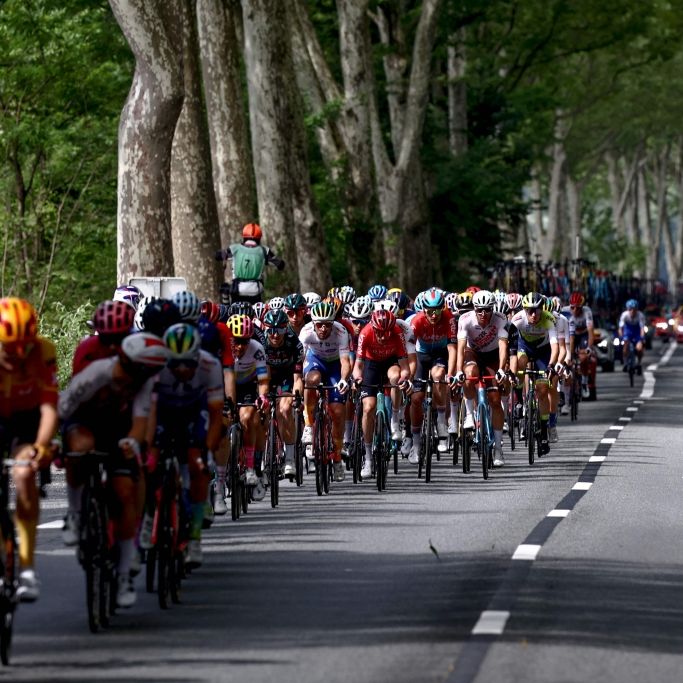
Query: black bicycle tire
[[298, 450], [327, 452], [511, 420], [150, 569], [7, 599], [6, 626], [530, 429], [482, 442], [378, 450], [234, 471], [163, 578], [178, 574], [430, 443], [271, 462], [92, 561]]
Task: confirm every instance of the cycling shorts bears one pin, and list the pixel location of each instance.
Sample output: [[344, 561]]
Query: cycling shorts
[[282, 380], [330, 374], [374, 374], [247, 392], [183, 428], [21, 428], [581, 341], [631, 335], [539, 354], [487, 361], [425, 363]]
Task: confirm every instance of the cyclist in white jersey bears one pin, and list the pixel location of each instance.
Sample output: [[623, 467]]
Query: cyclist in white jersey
[[583, 340], [632, 331], [327, 361]]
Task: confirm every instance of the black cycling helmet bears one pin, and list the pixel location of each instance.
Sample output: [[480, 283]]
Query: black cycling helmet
[[159, 315], [241, 308]]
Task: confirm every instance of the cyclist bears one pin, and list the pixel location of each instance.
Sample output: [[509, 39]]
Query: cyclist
[[553, 305], [296, 310], [632, 331], [28, 421], [326, 348], [129, 294], [582, 317], [381, 354], [119, 388], [483, 350], [187, 409], [285, 359], [435, 340], [253, 384], [538, 342], [249, 260]]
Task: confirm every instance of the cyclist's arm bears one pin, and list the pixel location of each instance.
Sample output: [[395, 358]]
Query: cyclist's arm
[[502, 353], [274, 260], [214, 433], [229, 384], [405, 368], [554, 353], [462, 344], [452, 358], [298, 383], [358, 369], [346, 368], [263, 385]]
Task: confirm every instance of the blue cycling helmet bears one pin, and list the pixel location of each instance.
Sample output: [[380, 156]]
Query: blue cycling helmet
[[631, 303], [377, 292], [433, 298], [418, 304]]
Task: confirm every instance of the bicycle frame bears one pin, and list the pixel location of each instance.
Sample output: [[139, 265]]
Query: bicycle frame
[[483, 432]]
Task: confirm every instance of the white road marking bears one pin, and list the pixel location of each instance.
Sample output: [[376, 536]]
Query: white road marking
[[617, 428], [54, 524], [526, 551], [608, 440], [582, 486], [637, 402], [625, 419], [631, 409], [597, 458], [491, 622], [557, 512], [58, 552]]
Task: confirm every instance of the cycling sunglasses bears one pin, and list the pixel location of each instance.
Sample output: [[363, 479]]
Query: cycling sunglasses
[[323, 326], [294, 311], [190, 363], [358, 321], [276, 330], [483, 310], [533, 311], [433, 309]]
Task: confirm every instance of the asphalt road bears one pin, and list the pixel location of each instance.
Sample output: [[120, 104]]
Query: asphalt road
[[347, 588]]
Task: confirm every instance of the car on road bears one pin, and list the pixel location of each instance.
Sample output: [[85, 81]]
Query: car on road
[[607, 344], [659, 323]]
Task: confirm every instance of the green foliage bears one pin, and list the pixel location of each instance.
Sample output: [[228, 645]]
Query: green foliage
[[65, 327]]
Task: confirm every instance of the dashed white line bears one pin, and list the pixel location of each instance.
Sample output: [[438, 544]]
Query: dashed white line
[[631, 409], [491, 623], [637, 402], [608, 440], [582, 486], [625, 419], [54, 524], [617, 428], [558, 512], [597, 458], [526, 551]]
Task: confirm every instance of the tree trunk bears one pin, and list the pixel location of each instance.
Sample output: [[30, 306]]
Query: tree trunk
[[193, 205], [146, 131], [457, 94], [226, 112], [573, 198], [265, 51]]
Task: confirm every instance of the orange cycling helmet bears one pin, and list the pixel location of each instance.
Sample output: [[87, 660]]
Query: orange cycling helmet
[[473, 289], [18, 320], [252, 231]]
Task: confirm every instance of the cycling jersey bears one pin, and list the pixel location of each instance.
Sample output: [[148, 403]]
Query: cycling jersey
[[582, 321], [251, 367], [32, 382], [482, 339], [227, 359], [328, 350], [391, 347], [206, 383], [631, 326], [565, 328], [408, 335], [88, 350], [539, 334], [431, 337]]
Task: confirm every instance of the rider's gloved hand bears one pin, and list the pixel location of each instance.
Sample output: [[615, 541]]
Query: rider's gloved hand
[[405, 385], [342, 386], [130, 447], [559, 368], [452, 381], [263, 403], [501, 376], [460, 377]]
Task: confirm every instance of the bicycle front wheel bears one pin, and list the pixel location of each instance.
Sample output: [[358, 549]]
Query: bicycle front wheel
[[271, 463], [430, 443], [531, 430], [483, 445], [379, 449]]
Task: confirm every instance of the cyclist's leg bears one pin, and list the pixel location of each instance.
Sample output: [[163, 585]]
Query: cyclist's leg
[[337, 411], [471, 369], [76, 439], [440, 394], [543, 393], [416, 413]]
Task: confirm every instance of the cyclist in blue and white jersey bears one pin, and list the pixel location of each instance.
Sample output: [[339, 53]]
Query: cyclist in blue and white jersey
[[632, 331]]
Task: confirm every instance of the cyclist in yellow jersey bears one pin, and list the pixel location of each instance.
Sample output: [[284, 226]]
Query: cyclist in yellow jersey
[[28, 420]]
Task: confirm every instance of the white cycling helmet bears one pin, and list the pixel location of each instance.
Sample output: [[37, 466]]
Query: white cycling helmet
[[483, 299], [347, 294], [361, 308], [311, 298], [145, 349], [189, 306], [142, 304], [452, 302], [129, 294], [386, 305], [276, 303]]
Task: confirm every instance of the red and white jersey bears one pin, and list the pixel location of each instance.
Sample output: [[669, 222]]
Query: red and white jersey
[[483, 339], [328, 350], [392, 346]]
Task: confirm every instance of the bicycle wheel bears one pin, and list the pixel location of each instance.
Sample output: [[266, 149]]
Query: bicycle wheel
[[164, 556], [178, 574], [430, 443], [464, 438], [327, 452], [482, 440], [7, 599], [234, 478], [91, 552], [394, 450], [511, 420], [150, 569], [271, 463], [631, 370], [574, 399], [531, 429], [318, 447], [378, 450], [299, 450]]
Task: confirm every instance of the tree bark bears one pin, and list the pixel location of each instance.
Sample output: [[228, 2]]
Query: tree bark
[[146, 133], [226, 112], [193, 204], [457, 94]]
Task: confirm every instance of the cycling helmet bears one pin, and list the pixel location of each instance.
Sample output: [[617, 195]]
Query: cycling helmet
[[483, 299], [183, 341], [294, 302], [452, 302], [557, 304], [360, 309], [259, 309], [501, 306], [418, 304], [275, 318], [473, 289], [332, 292], [377, 292], [145, 349], [129, 294], [347, 294], [18, 320], [113, 317], [631, 303], [499, 295], [142, 304], [383, 321], [335, 302], [533, 300], [277, 302], [514, 301], [465, 302], [400, 297], [549, 305], [577, 299], [188, 305], [223, 313], [386, 305], [210, 311], [433, 298], [311, 298], [241, 326], [159, 315], [322, 312], [211, 340], [252, 231], [241, 308]]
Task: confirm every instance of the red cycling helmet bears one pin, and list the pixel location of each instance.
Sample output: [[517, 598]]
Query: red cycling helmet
[[210, 311], [383, 321], [252, 231], [577, 299], [473, 289], [113, 317]]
